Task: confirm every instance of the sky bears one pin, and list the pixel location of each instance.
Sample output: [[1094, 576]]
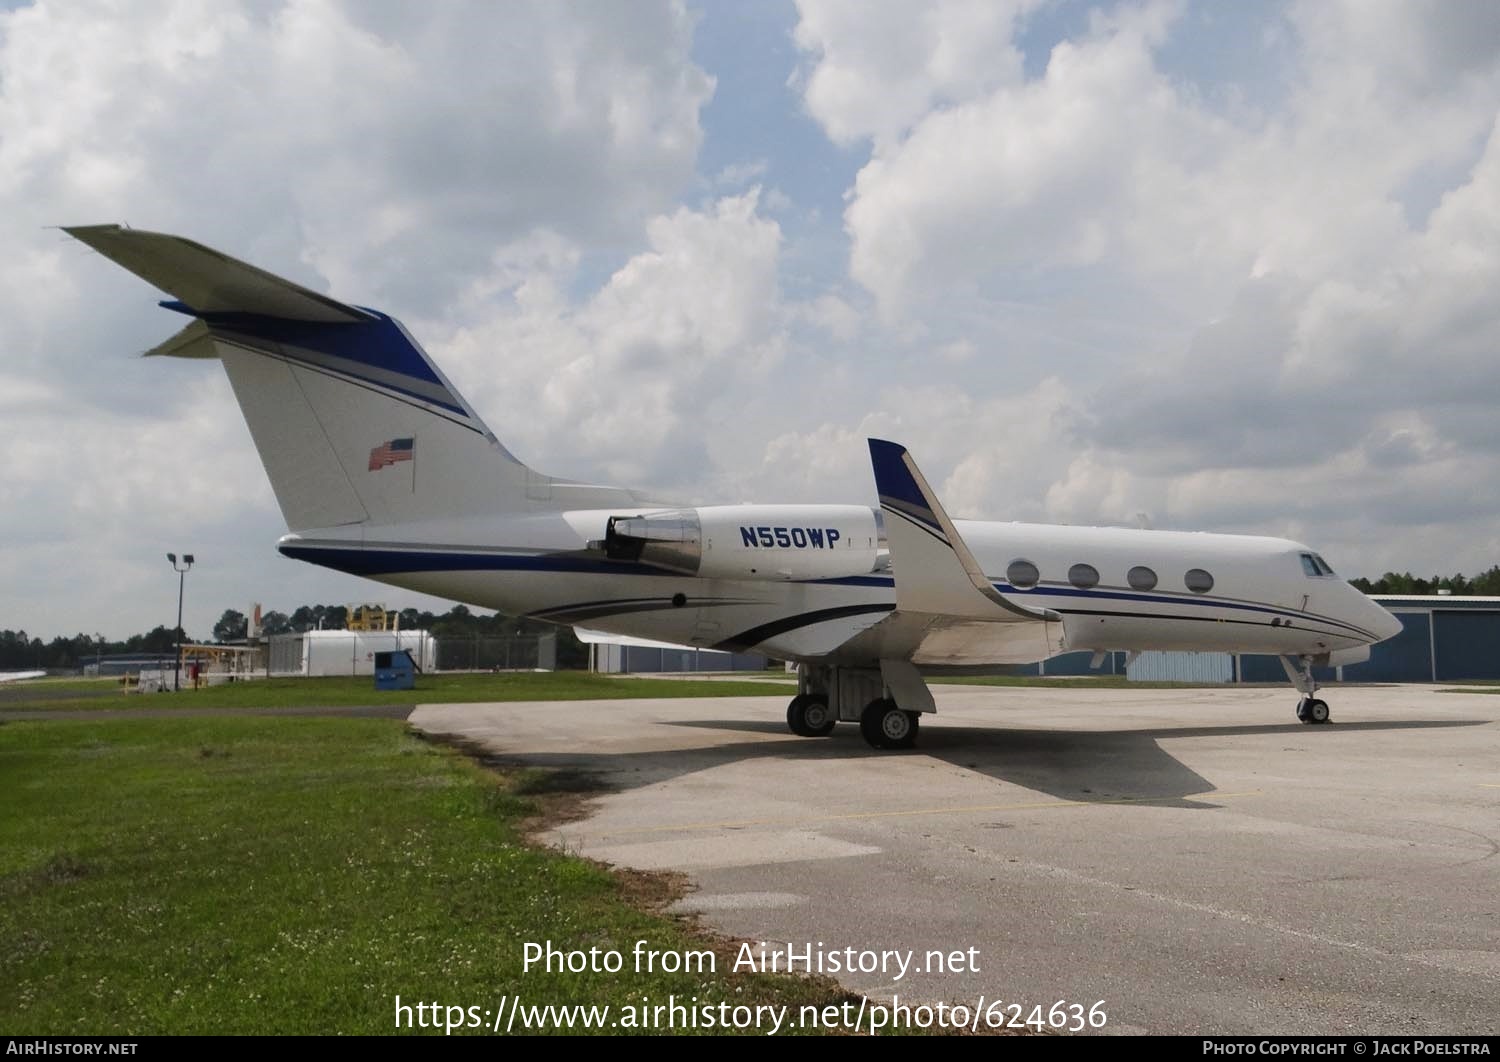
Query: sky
[[1206, 266]]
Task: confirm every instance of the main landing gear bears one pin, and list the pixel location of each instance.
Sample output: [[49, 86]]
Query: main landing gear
[[809, 715], [886, 726], [1310, 709], [887, 703]]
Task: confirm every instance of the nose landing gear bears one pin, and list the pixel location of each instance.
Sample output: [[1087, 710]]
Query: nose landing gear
[[1310, 709]]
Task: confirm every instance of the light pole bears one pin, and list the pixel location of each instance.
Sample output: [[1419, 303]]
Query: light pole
[[187, 562]]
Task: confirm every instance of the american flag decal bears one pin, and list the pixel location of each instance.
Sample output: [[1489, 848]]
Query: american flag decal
[[388, 453]]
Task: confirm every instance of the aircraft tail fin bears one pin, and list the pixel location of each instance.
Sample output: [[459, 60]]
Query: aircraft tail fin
[[353, 421]]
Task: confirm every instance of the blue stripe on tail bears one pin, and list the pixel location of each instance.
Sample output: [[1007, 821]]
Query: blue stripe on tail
[[377, 351]]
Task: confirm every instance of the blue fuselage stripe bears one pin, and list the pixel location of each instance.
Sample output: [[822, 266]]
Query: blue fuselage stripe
[[376, 562]]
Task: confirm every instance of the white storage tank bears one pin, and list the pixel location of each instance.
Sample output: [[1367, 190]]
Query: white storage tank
[[353, 652]]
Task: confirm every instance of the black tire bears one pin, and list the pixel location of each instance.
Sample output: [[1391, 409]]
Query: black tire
[[818, 717], [796, 713], [808, 715], [1302, 710], [1317, 711], [885, 726]]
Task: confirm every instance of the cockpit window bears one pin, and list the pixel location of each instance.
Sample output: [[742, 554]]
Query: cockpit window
[[1314, 565]]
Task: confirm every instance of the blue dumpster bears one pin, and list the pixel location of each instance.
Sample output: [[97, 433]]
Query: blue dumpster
[[395, 671]]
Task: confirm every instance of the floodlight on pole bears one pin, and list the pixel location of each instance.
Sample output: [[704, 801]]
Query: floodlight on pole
[[187, 562]]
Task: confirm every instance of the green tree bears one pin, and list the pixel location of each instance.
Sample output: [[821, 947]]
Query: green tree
[[157, 640], [231, 626], [274, 622], [306, 618]]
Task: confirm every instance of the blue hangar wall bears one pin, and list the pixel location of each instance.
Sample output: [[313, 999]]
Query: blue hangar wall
[[1442, 639]]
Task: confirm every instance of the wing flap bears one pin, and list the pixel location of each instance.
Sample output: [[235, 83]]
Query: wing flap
[[588, 636]]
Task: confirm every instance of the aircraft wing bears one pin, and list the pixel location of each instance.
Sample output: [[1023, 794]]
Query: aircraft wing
[[947, 610], [589, 636]]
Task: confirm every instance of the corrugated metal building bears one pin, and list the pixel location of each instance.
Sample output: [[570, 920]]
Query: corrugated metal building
[[620, 659]]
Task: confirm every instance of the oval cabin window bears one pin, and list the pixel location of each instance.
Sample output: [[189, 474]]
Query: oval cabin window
[[1141, 578], [1083, 576], [1198, 581], [1022, 574]]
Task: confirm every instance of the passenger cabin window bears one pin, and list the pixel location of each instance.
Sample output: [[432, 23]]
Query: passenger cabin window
[[1141, 578], [1023, 574], [1198, 581], [1083, 576]]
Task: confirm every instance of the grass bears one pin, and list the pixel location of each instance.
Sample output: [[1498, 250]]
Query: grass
[[65, 685], [431, 689], [295, 875]]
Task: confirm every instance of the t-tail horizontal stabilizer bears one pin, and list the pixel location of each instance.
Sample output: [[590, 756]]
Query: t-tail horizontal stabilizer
[[209, 281]]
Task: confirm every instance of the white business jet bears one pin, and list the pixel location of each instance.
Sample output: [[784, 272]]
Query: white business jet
[[382, 469]]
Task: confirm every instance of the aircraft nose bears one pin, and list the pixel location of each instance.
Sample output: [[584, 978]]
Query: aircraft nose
[[1384, 624]]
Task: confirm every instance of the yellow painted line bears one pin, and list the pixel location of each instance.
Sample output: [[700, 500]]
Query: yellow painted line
[[1487, 785], [972, 809]]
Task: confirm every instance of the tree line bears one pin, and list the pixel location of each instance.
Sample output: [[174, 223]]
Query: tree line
[[1486, 584], [22, 652]]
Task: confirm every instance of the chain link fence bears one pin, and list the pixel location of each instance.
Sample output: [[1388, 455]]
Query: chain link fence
[[520, 653], [350, 653]]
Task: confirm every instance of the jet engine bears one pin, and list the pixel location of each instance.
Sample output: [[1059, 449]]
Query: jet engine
[[778, 542]]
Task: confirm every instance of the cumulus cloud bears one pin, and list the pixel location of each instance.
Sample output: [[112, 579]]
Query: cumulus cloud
[[384, 146], [879, 67], [1295, 277], [625, 385], [383, 152], [1087, 270]]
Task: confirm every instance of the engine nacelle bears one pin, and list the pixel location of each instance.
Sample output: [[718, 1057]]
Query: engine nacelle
[[752, 541]]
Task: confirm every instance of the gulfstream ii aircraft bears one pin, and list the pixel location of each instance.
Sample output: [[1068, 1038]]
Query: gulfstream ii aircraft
[[382, 469]]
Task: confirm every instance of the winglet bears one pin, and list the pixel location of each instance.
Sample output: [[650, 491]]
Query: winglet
[[934, 570], [900, 486]]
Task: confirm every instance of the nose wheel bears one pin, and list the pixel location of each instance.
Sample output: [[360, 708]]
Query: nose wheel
[[1312, 710]]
